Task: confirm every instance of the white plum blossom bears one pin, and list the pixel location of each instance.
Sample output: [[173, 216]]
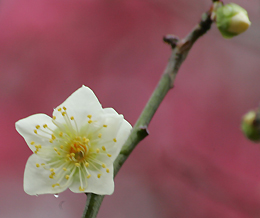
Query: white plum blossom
[[75, 148]]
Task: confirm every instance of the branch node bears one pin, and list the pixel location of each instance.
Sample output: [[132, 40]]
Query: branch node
[[143, 131], [171, 40]]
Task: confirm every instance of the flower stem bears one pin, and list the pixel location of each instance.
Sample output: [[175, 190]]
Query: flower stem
[[180, 51]]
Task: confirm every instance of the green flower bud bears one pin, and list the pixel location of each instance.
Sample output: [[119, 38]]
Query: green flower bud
[[251, 126], [232, 20]]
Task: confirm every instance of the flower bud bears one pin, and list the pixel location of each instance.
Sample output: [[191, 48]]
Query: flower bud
[[232, 20], [251, 126]]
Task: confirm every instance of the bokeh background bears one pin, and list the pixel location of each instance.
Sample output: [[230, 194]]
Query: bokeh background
[[195, 163]]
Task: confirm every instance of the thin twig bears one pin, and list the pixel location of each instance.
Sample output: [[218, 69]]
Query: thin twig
[[180, 51]]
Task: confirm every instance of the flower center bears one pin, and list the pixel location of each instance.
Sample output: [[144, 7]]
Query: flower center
[[78, 150]]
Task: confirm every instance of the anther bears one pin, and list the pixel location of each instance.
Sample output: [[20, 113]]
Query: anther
[[55, 149], [67, 176], [85, 140], [63, 113], [61, 134], [88, 176], [45, 126], [64, 168], [103, 148], [59, 109], [81, 189], [86, 164], [72, 118], [109, 155], [89, 116], [104, 165], [37, 127], [32, 143], [64, 108], [97, 150], [77, 164], [52, 170], [99, 135], [99, 175], [35, 131], [114, 139], [72, 154], [39, 146], [107, 170], [61, 146], [54, 117], [53, 137], [51, 176], [37, 165], [104, 125], [51, 141], [90, 121], [58, 153]]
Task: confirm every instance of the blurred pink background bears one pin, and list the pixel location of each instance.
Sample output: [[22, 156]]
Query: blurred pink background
[[195, 163]]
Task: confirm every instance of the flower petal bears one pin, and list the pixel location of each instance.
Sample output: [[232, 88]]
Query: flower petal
[[27, 126], [117, 129], [80, 104], [100, 186], [36, 179]]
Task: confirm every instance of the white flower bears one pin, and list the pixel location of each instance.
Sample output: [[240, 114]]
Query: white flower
[[75, 148]]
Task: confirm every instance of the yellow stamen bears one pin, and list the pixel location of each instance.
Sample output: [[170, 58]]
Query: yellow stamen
[[67, 176], [37, 165], [99, 175], [107, 170], [81, 189], [88, 176], [103, 148], [109, 155], [114, 139], [89, 116], [97, 150], [32, 143], [90, 121], [64, 168], [99, 135], [104, 125], [45, 126], [86, 164], [104, 165], [77, 164], [37, 127]]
